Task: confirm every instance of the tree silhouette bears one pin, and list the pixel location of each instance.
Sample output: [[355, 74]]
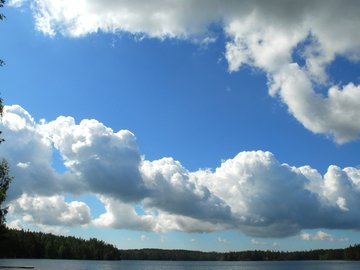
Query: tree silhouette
[[2, 17], [5, 178]]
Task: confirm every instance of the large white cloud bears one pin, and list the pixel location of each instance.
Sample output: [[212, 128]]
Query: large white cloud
[[123, 216], [268, 39], [174, 189], [252, 192], [262, 34], [270, 198], [336, 115], [101, 161], [29, 155], [51, 211]]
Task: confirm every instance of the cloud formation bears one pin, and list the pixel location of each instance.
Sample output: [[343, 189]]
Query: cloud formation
[[50, 211], [321, 236], [252, 192], [266, 35], [29, 154], [102, 160]]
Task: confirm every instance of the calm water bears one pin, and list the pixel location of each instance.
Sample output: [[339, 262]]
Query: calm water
[[161, 265]]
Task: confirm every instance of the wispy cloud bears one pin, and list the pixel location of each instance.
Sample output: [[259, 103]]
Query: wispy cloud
[[223, 240], [258, 243]]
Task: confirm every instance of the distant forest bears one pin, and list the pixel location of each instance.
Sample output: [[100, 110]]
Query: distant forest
[[26, 244]]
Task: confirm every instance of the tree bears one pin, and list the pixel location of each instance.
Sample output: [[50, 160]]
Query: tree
[[5, 178], [2, 16]]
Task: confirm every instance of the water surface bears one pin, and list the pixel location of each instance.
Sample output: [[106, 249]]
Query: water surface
[[166, 265]]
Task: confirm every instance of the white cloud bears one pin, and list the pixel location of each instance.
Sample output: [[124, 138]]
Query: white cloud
[[258, 243], [102, 161], [153, 18], [305, 236], [223, 240], [29, 151], [16, 3], [15, 224], [261, 34], [266, 197], [123, 216], [252, 192], [50, 211], [143, 237], [23, 165], [320, 236], [335, 115], [175, 190], [267, 39]]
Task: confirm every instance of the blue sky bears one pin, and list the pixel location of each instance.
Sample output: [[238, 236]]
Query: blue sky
[[214, 126]]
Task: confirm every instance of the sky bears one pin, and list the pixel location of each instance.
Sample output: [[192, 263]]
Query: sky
[[203, 125]]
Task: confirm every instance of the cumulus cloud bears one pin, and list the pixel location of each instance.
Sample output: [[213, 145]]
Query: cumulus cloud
[[262, 34], [174, 189], [252, 192], [153, 18], [268, 39], [321, 236], [335, 114], [123, 216], [30, 153], [50, 211], [101, 160]]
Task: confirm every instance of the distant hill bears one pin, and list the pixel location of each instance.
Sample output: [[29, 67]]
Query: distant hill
[[26, 244]]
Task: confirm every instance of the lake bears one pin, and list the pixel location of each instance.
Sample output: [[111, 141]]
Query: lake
[[166, 265]]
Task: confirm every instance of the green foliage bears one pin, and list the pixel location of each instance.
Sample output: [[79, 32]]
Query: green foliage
[[26, 244], [5, 179], [169, 255], [350, 253], [2, 16]]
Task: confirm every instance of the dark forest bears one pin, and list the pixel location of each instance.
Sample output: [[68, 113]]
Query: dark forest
[[26, 244]]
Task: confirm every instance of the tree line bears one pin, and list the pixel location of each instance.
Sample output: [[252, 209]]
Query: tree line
[[350, 253], [26, 244], [5, 178]]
